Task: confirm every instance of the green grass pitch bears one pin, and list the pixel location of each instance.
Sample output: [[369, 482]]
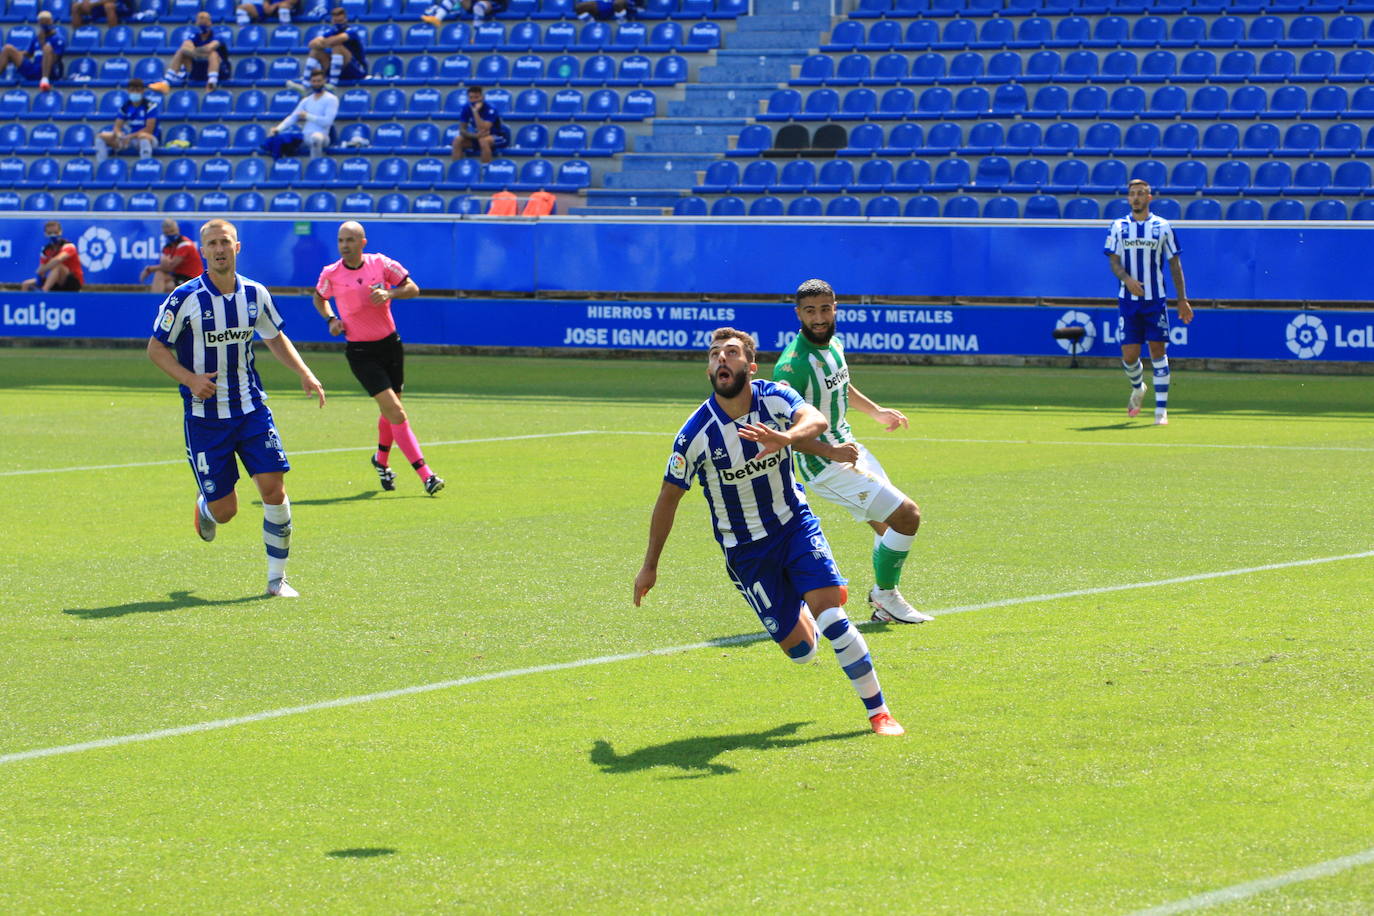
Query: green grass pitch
[[1102, 752]]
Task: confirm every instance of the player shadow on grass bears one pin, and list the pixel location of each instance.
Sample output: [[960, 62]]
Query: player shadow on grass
[[1124, 424], [695, 755], [329, 501], [175, 602]]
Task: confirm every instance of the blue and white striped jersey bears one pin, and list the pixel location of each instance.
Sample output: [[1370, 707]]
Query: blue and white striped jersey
[[749, 498], [1143, 246], [211, 332]]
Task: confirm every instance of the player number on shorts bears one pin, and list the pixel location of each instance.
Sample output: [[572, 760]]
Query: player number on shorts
[[764, 601], [201, 464]]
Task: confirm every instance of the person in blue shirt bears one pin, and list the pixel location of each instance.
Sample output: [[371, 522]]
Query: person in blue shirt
[[480, 10], [480, 129], [588, 10], [339, 51], [202, 56], [112, 11], [737, 446], [136, 123], [41, 61]]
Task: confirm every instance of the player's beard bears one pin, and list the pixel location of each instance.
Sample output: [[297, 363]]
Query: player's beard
[[822, 339], [732, 387]]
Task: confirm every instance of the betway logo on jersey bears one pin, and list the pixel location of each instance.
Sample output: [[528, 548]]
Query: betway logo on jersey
[[839, 378], [750, 469], [228, 336]]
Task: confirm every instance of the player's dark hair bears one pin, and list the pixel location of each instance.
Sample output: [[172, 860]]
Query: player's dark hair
[[744, 337], [814, 288], [476, 89], [1135, 181]]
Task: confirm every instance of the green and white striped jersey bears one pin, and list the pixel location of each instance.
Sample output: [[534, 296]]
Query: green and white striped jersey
[[821, 375]]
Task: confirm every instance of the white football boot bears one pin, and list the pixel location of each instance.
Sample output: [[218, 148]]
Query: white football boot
[[1133, 405], [280, 588], [890, 607]]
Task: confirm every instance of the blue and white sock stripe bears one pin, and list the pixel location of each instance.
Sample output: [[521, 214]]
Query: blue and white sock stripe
[[1161, 370], [1135, 373], [277, 538]]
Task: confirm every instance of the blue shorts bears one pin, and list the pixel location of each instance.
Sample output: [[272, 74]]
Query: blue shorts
[[353, 71], [605, 9], [773, 574], [31, 68], [212, 444], [1142, 320]]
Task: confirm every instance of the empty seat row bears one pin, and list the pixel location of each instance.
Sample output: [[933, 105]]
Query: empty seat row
[[1109, 31], [247, 202], [254, 104], [998, 173], [1144, 138], [1050, 102], [1038, 206], [324, 172], [980, 8], [893, 68]]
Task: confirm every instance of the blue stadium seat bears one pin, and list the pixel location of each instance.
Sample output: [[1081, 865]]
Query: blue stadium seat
[[147, 173], [358, 202], [835, 175], [42, 172], [1301, 139], [1364, 210], [797, 175], [609, 139], [767, 205], [1001, 207], [1351, 179], [285, 202], [113, 201], [395, 202], [74, 174], [844, 205], [1230, 177], [1042, 206], [1271, 178], [321, 202], [728, 206], [1310, 178], [573, 175], [1219, 140], [720, 175], [1082, 208], [1029, 176], [1189, 177], [1287, 209], [569, 139], [110, 174], [903, 139], [249, 202], [390, 172], [427, 203], [921, 206], [1102, 138], [1328, 209], [1141, 139], [689, 206], [806, 205], [1203, 208], [322, 172], [456, 68], [1260, 139]]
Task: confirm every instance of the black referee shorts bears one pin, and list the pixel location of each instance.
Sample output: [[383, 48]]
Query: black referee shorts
[[378, 364]]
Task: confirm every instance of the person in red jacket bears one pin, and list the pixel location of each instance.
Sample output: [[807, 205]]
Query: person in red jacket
[[59, 266], [180, 261]]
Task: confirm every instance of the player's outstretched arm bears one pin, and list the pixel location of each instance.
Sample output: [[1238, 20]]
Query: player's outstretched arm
[[660, 526], [285, 351], [1185, 309], [843, 454], [889, 418]]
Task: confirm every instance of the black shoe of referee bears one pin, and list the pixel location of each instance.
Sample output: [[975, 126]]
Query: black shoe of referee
[[433, 484], [385, 474]]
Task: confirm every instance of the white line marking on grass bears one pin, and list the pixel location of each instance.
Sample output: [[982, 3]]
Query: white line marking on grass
[[1251, 888], [603, 660], [313, 451], [1219, 445]]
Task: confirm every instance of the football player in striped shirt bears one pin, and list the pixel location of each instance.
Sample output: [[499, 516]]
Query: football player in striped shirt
[[814, 364], [203, 339], [1137, 247], [362, 286], [737, 446]]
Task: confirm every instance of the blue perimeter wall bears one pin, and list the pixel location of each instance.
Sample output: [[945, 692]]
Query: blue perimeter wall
[[976, 259]]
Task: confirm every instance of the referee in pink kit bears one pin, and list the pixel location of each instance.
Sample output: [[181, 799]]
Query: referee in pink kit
[[362, 287]]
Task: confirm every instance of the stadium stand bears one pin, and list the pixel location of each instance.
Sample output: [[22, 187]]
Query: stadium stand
[[1031, 109]]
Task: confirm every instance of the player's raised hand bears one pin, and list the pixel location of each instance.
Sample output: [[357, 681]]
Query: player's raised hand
[[643, 582], [311, 385], [891, 419], [202, 385], [770, 439]]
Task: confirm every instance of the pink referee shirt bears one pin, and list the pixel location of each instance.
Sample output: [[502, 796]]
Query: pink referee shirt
[[350, 289]]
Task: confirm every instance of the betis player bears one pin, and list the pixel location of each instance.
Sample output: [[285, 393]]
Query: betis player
[[737, 446], [362, 286], [814, 365]]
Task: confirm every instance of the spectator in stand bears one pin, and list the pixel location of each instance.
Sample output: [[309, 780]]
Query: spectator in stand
[[112, 11], [180, 261], [59, 266], [201, 57], [480, 10], [587, 10], [42, 60], [256, 12], [135, 123], [311, 122], [339, 51], [480, 129]]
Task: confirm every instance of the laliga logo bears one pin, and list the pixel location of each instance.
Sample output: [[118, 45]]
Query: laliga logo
[[1077, 319], [97, 248], [1306, 336]]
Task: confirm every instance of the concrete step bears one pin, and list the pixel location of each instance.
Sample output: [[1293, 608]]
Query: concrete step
[[684, 143], [774, 41], [649, 179], [603, 197], [620, 211], [663, 162], [790, 21], [740, 108], [784, 7]]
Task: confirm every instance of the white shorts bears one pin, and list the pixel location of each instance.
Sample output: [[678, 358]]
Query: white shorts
[[862, 488]]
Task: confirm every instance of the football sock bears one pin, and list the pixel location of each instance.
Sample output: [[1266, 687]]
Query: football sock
[[1161, 382], [405, 438], [1135, 372], [335, 67], [241, 17], [889, 553], [384, 439], [276, 535], [852, 653]]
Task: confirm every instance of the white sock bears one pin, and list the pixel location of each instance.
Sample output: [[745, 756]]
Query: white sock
[[335, 67], [1161, 369], [1135, 373], [241, 18], [276, 535], [145, 149], [852, 653]]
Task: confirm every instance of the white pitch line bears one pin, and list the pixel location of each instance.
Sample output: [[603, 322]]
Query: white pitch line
[[1091, 443], [606, 659], [1251, 888], [313, 451]]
